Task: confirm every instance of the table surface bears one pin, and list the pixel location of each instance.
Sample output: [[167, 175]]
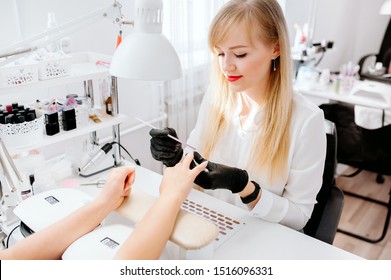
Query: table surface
[[255, 238], [365, 93]]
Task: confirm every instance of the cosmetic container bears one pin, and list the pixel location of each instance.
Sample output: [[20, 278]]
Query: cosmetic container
[[19, 118], [30, 117], [109, 106], [51, 124], [31, 112], [69, 119], [25, 190], [9, 118]]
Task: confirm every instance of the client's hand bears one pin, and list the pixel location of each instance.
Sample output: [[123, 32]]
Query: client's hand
[[178, 181], [220, 176], [165, 149], [117, 187]]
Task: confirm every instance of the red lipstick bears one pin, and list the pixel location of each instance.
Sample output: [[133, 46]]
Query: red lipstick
[[233, 78]]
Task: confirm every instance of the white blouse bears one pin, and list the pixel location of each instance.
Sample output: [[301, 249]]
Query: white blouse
[[290, 200]]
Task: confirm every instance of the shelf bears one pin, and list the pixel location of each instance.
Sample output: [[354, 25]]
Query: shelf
[[67, 135], [83, 68]]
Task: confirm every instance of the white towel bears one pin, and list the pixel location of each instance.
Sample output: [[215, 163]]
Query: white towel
[[371, 118]]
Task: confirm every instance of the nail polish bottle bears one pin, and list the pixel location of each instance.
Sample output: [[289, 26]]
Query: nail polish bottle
[[30, 116], [2, 118], [19, 118], [31, 112], [15, 105], [9, 118], [69, 119], [51, 124]]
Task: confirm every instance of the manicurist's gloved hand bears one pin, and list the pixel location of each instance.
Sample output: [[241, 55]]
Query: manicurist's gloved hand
[[165, 149], [220, 176]]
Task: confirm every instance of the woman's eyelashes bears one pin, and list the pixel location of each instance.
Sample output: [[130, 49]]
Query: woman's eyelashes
[[237, 55], [240, 55]]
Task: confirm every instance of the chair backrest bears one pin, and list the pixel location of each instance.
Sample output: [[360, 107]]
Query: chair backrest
[[385, 46], [327, 212], [367, 149]]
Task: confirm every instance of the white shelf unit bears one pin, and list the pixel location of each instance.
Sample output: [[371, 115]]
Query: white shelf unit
[[84, 69], [67, 135]]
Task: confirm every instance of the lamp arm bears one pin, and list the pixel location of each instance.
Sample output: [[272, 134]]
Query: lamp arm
[[112, 11], [4, 159]]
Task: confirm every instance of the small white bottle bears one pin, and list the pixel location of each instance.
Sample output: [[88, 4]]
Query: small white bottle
[[25, 190]]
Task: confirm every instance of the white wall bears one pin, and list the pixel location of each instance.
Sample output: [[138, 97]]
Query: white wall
[[9, 18]]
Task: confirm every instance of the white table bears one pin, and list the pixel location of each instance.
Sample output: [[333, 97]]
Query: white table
[[365, 93], [256, 239], [252, 239]]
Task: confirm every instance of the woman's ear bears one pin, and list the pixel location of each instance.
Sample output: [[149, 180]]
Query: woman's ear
[[276, 50]]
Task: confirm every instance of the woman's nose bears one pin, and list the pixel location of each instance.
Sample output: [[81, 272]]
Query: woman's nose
[[228, 66]]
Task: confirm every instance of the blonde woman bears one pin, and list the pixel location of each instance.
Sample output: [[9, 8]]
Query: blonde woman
[[265, 144]]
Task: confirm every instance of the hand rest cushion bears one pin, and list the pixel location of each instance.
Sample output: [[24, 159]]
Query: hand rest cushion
[[190, 231]]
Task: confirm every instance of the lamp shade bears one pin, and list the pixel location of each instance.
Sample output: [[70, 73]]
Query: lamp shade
[[386, 8], [146, 56]]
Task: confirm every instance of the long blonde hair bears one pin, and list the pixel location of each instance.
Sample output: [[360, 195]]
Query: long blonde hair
[[263, 20]]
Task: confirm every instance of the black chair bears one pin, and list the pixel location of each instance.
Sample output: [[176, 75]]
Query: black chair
[[327, 212], [383, 56], [363, 149]]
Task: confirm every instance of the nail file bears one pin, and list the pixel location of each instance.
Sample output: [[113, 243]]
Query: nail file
[[172, 137], [169, 135]]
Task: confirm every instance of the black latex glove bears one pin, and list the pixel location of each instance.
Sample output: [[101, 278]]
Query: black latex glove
[[221, 176], [165, 149]]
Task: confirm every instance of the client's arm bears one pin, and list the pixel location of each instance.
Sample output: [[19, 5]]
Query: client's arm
[[51, 242], [149, 238]]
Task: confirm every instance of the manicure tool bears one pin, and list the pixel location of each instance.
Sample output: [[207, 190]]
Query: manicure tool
[[169, 135], [98, 184], [172, 137]]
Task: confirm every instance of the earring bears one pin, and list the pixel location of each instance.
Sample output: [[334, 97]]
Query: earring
[[274, 65]]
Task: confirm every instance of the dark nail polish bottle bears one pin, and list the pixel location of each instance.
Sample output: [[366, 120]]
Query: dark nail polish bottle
[[20, 118], [9, 118], [51, 124], [2, 118], [69, 119]]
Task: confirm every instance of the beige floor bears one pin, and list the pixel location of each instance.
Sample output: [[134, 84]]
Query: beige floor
[[364, 218]]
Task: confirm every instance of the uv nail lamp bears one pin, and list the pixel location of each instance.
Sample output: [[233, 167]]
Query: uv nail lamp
[[46, 208], [100, 244]]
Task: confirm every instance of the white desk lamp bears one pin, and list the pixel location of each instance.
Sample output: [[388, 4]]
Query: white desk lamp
[[146, 54]]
